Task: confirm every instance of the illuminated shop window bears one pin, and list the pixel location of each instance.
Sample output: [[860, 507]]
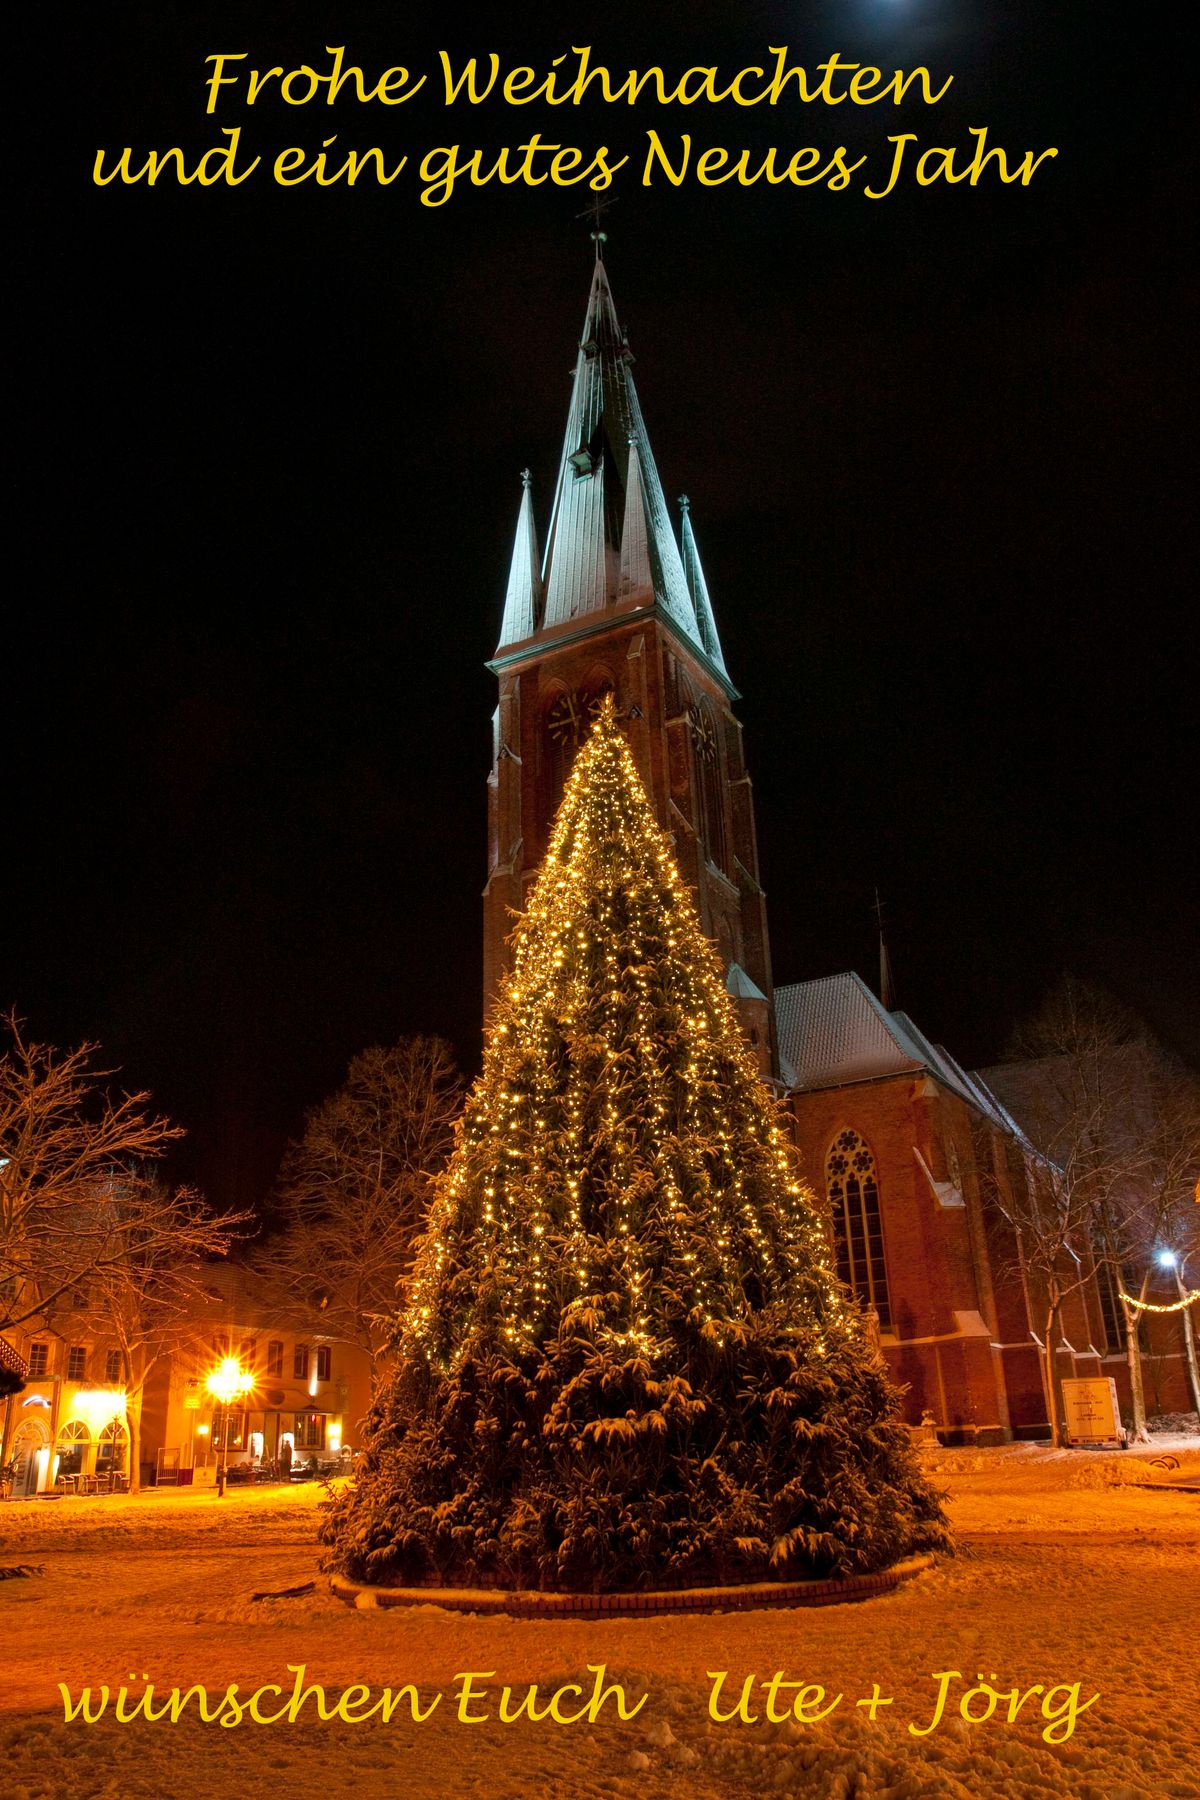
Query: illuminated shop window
[[231, 1420], [73, 1443], [310, 1431], [112, 1453]]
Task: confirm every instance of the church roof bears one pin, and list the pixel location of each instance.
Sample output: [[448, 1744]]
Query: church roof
[[833, 1032], [739, 984], [610, 543]]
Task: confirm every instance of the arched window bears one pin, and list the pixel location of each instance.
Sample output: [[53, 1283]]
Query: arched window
[[113, 1447], [853, 1189], [74, 1438]]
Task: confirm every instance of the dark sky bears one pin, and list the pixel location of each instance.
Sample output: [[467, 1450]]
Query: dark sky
[[266, 451]]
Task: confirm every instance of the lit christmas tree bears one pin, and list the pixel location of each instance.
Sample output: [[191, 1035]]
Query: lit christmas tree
[[625, 1362]]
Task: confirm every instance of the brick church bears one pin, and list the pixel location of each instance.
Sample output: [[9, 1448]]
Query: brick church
[[907, 1151]]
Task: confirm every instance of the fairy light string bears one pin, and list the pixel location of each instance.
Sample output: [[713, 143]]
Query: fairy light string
[[1149, 1306], [620, 1128]]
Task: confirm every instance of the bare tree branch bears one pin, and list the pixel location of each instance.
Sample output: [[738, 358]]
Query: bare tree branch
[[66, 1145], [355, 1189]]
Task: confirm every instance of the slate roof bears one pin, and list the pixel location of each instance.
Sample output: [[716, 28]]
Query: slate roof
[[610, 542]]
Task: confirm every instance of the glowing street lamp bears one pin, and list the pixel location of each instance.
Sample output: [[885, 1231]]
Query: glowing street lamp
[[227, 1383]]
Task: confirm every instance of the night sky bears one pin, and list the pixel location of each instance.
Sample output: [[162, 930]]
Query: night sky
[[266, 454]]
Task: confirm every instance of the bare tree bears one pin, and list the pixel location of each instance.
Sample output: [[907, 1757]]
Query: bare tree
[[354, 1189], [1160, 1236], [1118, 1127], [150, 1286], [64, 1139]]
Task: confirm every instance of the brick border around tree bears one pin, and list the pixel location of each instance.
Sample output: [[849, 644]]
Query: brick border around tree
[[529, 1605]]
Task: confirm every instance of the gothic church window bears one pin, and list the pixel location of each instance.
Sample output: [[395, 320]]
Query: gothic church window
[[853, 1188]]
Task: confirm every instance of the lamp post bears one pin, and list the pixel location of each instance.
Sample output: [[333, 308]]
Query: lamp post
[[227, 1383]]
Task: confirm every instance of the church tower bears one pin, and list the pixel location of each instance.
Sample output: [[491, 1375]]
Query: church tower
[[617, 605]]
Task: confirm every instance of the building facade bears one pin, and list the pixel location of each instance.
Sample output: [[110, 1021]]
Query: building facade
[[69, 1427]]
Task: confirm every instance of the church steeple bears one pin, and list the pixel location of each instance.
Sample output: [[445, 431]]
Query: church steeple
[[621, 608], [606, 469]]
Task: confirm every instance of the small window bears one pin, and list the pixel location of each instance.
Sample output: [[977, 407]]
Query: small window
[[274, 1357], [300, 1362], [112, 1366], [324, 1356], [77, 1363], [220, 1346], [39, 1361]]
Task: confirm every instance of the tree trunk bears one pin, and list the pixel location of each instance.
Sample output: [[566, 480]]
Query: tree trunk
[[1137, 1391], [1189, 1344], [1050, 1360], [133, 1424]]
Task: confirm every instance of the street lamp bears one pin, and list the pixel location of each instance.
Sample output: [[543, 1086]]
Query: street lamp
[[227, 1383]]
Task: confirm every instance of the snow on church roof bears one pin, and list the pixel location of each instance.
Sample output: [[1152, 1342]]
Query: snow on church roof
[[834, 1032]]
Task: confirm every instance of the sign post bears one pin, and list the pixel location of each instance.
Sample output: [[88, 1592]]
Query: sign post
[[1092, 1415]]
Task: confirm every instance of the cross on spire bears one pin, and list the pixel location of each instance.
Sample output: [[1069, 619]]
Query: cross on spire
[[595, 211], [887, 983]]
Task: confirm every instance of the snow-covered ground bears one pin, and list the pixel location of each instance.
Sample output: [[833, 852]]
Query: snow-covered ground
[[1072, 1569]]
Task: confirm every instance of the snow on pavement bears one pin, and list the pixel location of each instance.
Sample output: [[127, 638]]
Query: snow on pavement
[[1072, 1569]]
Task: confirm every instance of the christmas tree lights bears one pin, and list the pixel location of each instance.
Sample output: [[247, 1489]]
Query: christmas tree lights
[[625, 1359]]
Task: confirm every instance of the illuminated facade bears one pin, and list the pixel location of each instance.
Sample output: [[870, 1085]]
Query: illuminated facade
[[68, 1429]]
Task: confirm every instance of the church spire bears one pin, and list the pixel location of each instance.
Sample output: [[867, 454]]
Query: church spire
[[607, 466], [523, 599], [637, 584], [706, 624]]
